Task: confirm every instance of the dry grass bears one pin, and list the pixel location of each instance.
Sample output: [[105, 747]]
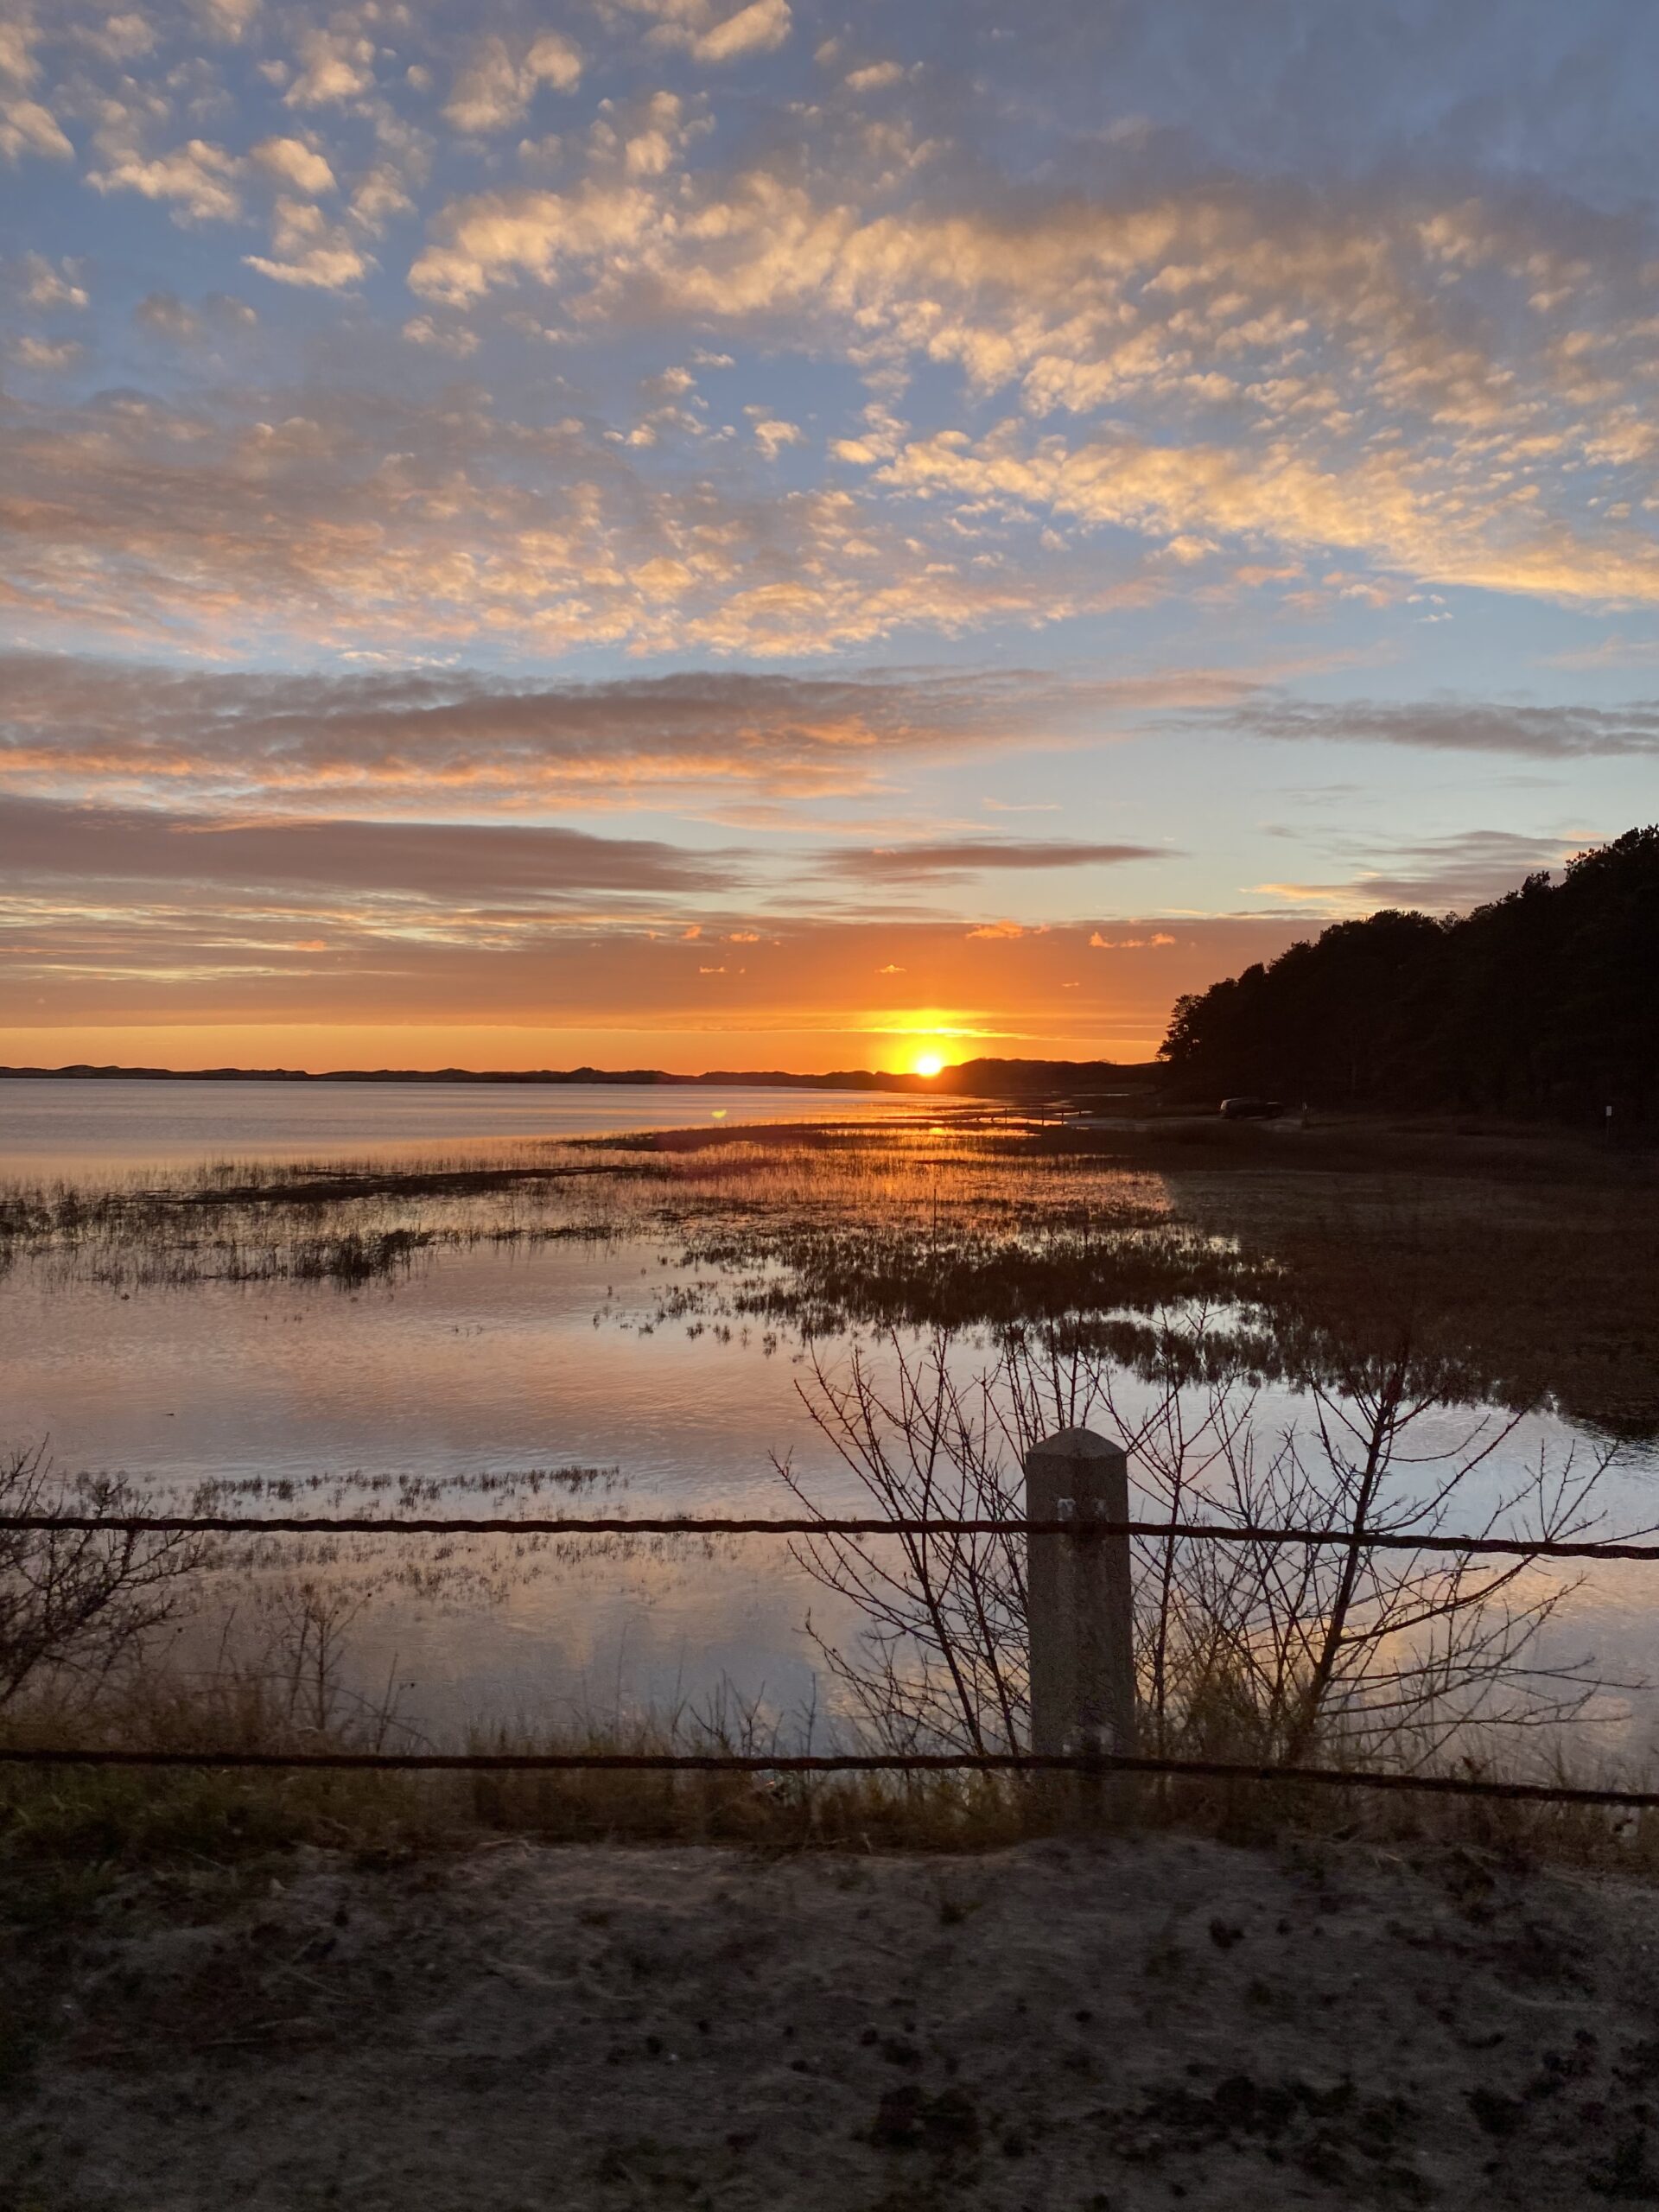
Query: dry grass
[[74, 1831]]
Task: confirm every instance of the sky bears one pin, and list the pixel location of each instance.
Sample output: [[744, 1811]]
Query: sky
[[649, 533]]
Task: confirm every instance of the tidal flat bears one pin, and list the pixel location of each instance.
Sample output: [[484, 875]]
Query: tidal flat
[[649, 1319]]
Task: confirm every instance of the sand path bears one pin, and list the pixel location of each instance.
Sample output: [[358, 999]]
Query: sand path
[[1127, 2025]]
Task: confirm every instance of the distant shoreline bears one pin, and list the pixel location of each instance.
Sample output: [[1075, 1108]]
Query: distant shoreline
[[972, 1078]]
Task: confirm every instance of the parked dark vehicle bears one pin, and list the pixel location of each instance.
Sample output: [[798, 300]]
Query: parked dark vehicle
[[1251, 1110]]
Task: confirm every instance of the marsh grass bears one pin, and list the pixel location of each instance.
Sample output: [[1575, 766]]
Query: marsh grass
[[1523, 1291], [1313, 1242], [311, 1222], [831, 1205], [70, 1834]]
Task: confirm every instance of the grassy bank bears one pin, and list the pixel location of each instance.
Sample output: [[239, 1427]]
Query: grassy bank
[[83, 1827]]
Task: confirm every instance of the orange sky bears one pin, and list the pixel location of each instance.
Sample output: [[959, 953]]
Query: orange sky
[[731, 1000]]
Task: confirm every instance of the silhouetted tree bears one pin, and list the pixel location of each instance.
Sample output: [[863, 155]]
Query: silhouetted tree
[[1546, 1001]]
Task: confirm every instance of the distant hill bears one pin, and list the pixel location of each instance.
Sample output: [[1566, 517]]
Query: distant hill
[[1544, 1003], [972, 1079]]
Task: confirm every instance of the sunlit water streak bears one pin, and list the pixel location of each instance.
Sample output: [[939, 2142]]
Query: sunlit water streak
[[82, 1129]]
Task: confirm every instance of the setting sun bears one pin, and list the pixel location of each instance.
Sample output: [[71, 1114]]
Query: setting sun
[[927, 1063]]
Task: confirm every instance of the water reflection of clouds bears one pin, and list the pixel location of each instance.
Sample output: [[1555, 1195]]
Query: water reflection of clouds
[[502, 1359]]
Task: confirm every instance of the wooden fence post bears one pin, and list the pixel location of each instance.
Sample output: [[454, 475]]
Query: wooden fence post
[[1079, 1608]]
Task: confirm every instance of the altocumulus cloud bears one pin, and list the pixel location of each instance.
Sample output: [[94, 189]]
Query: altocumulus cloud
[[389, 522], [1173, 352]]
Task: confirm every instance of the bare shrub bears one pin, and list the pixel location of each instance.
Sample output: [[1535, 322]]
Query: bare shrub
[[76, 1603], [943, 1659], [281, 1677], [1261, 1648]]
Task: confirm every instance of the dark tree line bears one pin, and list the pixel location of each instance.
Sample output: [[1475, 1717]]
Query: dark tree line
[[1545, 1002]]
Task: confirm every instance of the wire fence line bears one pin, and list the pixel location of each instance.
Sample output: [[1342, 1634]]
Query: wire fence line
[[231, 1524], [1089, 1763], [1102, 1764]]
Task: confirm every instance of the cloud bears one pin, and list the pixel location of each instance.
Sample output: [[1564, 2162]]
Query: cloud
[[1363, 373], [1325, 327], [1461, 870], [229, 20], [1614, 650], [1384, 504], [118, 38], [49, 284], [165, 315], [772, 436], [693, 27], [293, 162], [26, 126], [432, 740], [17, 37], [494, 90], [197, 179], [443, 338], [874, 76], [336, 67], [492, 238], [308, 251], [442, 518], [378, 196], [1562, 732], [534, 868], [761, 28], [967, 855], [245, 926], [46, 356]]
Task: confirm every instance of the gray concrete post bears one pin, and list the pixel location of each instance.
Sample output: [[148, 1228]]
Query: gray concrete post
[[1078, 1597]]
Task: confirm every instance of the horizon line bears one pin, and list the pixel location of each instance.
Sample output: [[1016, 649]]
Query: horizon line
[[757, 1078]]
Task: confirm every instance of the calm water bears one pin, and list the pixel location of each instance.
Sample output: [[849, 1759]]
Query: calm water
[[491, 1360], [496, 1360], [485, 1363], [75, 1130]]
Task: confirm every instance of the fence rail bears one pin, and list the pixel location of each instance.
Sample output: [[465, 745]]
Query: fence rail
[[233, 1524], [767, 1763], [1085, 1470]]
